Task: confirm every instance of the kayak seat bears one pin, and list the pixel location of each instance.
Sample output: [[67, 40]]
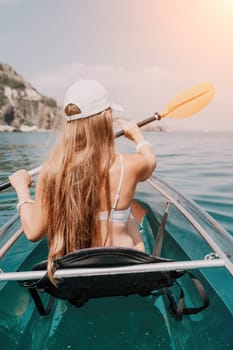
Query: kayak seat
[[80, 288]]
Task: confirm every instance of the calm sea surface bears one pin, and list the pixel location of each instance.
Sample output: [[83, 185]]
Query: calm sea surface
[[200, 165]]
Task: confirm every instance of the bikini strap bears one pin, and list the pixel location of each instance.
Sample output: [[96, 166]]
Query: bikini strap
[[119, 184]]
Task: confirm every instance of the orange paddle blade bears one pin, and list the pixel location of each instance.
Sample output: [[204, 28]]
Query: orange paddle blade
[[189, 102]]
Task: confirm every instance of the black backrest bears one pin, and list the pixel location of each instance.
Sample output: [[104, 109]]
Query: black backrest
[[102, 257], [106, 285]]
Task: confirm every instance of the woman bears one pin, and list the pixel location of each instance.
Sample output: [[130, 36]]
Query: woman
[[85, 188]]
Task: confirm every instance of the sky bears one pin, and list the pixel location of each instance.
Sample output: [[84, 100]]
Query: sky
[[144, 52]]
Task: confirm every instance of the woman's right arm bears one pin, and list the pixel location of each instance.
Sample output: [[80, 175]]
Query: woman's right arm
[[145, 159]]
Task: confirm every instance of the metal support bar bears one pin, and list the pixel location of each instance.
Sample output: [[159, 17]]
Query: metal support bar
[[142, 268]]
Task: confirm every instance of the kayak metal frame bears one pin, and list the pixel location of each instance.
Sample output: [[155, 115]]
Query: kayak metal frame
[[4, 249], [133, 269], [220, 253], [8, 224]]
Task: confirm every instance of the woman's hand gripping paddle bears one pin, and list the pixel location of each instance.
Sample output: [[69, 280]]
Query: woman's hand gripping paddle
[[184, 105]]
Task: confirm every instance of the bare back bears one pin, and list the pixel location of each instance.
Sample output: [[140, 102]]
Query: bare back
[[123, 233]]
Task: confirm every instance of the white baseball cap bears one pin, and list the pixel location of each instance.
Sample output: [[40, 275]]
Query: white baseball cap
[[91, 98]]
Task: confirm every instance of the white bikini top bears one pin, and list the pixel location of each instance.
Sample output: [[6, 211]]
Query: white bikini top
[[118, 216]]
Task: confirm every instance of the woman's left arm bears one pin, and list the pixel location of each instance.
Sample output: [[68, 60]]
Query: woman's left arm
[[31, 213]]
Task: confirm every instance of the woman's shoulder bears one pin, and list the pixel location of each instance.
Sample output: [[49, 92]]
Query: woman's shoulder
[[44, 170], [132, 157], [138, 165], [134, 160], [44, 173]]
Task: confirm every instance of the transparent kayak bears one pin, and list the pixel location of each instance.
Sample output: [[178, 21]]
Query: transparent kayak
[[191, 238]]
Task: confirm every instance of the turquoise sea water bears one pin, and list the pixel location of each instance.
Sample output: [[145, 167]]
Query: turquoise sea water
[[200, 165]]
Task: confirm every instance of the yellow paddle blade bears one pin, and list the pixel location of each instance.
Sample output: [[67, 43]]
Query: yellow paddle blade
[[189, 102]]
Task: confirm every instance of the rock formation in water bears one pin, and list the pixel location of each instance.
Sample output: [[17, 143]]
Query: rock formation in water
[[22, 107]]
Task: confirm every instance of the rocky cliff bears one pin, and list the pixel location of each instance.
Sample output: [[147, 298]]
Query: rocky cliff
[[22, 107]]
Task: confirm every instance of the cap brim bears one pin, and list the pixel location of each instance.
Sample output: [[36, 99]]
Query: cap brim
[[117, 108]]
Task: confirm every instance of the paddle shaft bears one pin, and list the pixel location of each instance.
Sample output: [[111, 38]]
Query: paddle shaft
[[5, 185], [119, 133], [156, 116]]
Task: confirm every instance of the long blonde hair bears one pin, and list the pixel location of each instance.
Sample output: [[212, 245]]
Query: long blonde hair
[[76, 171]]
